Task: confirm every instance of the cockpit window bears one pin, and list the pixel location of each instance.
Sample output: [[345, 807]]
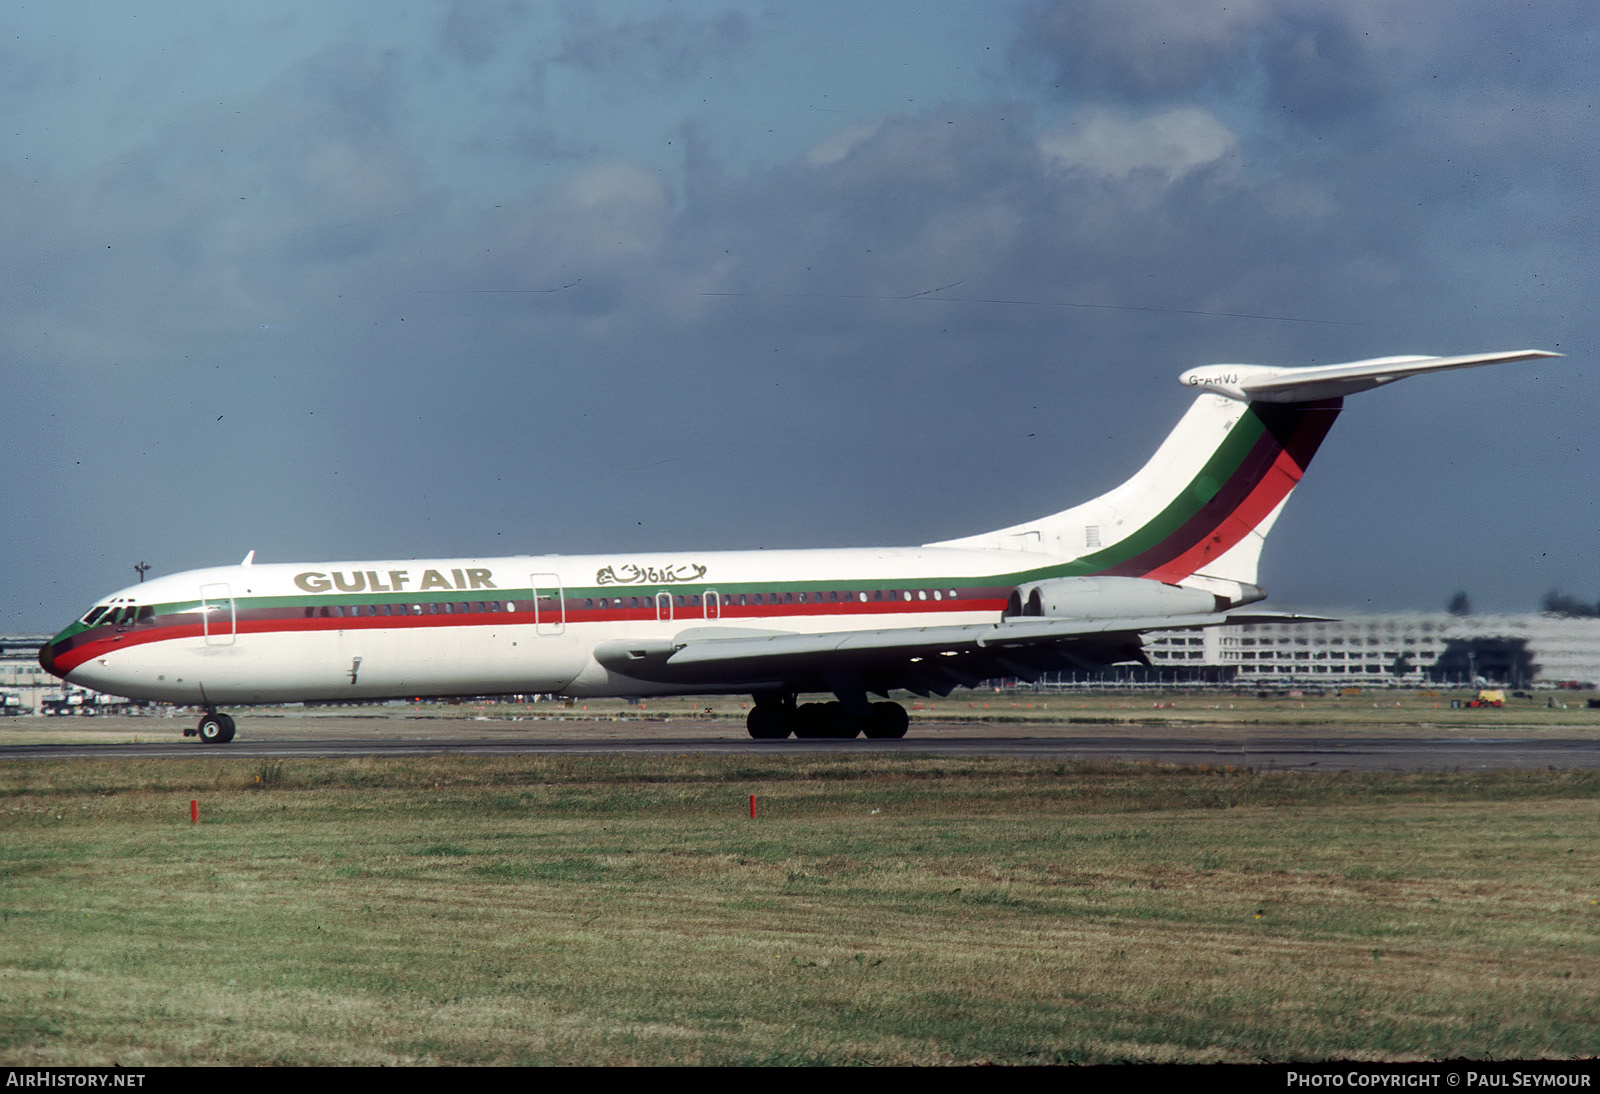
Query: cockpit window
[[94, 613]]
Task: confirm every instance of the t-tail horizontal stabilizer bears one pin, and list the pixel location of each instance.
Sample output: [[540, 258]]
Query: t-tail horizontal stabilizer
[[1282, 384]]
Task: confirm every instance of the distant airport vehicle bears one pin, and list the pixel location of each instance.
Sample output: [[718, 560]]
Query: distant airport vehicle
[[1175, 546]]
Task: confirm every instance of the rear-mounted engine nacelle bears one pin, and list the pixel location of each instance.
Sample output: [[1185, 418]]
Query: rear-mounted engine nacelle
[[1109, 598]]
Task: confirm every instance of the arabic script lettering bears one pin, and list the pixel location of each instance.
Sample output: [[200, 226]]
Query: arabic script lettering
[[631, 574]]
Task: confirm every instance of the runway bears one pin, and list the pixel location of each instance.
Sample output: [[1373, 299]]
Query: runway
[[1211, 745]]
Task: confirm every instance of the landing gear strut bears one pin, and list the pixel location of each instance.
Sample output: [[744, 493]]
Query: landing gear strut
[[774, 717], [215, 728]]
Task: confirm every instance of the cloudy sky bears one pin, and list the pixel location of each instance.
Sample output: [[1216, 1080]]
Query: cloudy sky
[[356, 280]]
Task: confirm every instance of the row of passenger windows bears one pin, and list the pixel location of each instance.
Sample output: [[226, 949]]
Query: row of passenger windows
[[744, 600], [681, 600], [341, 611], [126, 616]]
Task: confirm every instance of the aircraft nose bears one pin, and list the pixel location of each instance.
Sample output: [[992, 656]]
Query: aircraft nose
[[47, 659]]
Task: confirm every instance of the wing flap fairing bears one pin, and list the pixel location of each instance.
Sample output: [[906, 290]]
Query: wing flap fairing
[[916, 658]]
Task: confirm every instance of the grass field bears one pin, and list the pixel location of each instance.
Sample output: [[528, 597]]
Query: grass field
[[877, 910]]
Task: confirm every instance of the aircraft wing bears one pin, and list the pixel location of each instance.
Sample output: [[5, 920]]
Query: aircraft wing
[[922, 660]]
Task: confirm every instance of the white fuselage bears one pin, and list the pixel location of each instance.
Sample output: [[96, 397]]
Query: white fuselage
[[396, 629]]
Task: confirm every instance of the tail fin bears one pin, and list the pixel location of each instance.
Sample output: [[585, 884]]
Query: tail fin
[[1198, 512]]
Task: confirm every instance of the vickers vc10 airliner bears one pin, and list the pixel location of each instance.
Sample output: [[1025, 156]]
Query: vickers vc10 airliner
[[1175, 546]]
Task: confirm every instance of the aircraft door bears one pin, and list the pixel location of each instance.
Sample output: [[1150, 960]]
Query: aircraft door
[[217, 616], [713, 604], [549, 604], [663, 605]]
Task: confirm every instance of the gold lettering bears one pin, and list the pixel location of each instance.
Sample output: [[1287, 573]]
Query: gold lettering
[[312, 582], [480, 579], [433, 579]]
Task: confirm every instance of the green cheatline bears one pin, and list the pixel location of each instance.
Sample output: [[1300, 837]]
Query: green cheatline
[[1221, 467]]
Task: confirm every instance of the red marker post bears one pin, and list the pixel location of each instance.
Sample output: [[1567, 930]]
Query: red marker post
[[194, 810], [752, 807]]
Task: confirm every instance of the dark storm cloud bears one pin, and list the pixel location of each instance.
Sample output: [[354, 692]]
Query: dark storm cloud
[[1153, 50], [473, 29], [229, 217], [313, 317], [666, 48], [1302, 61], [922, 201]]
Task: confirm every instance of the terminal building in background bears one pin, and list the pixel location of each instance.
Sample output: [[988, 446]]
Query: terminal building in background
[[23, 683], [1392, 650]]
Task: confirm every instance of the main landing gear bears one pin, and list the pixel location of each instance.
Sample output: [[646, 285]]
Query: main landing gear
[[216, 728], [774, 717]]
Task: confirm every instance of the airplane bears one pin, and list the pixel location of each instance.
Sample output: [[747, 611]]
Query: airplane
[[1175, 546]]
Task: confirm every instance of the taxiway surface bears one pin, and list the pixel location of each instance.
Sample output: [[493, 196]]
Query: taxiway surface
[[1311, 749]]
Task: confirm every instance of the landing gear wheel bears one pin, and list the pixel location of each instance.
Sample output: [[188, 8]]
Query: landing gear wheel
[[889, 721], [769, 721], [216, 729], [812, 720], [844, 725]]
